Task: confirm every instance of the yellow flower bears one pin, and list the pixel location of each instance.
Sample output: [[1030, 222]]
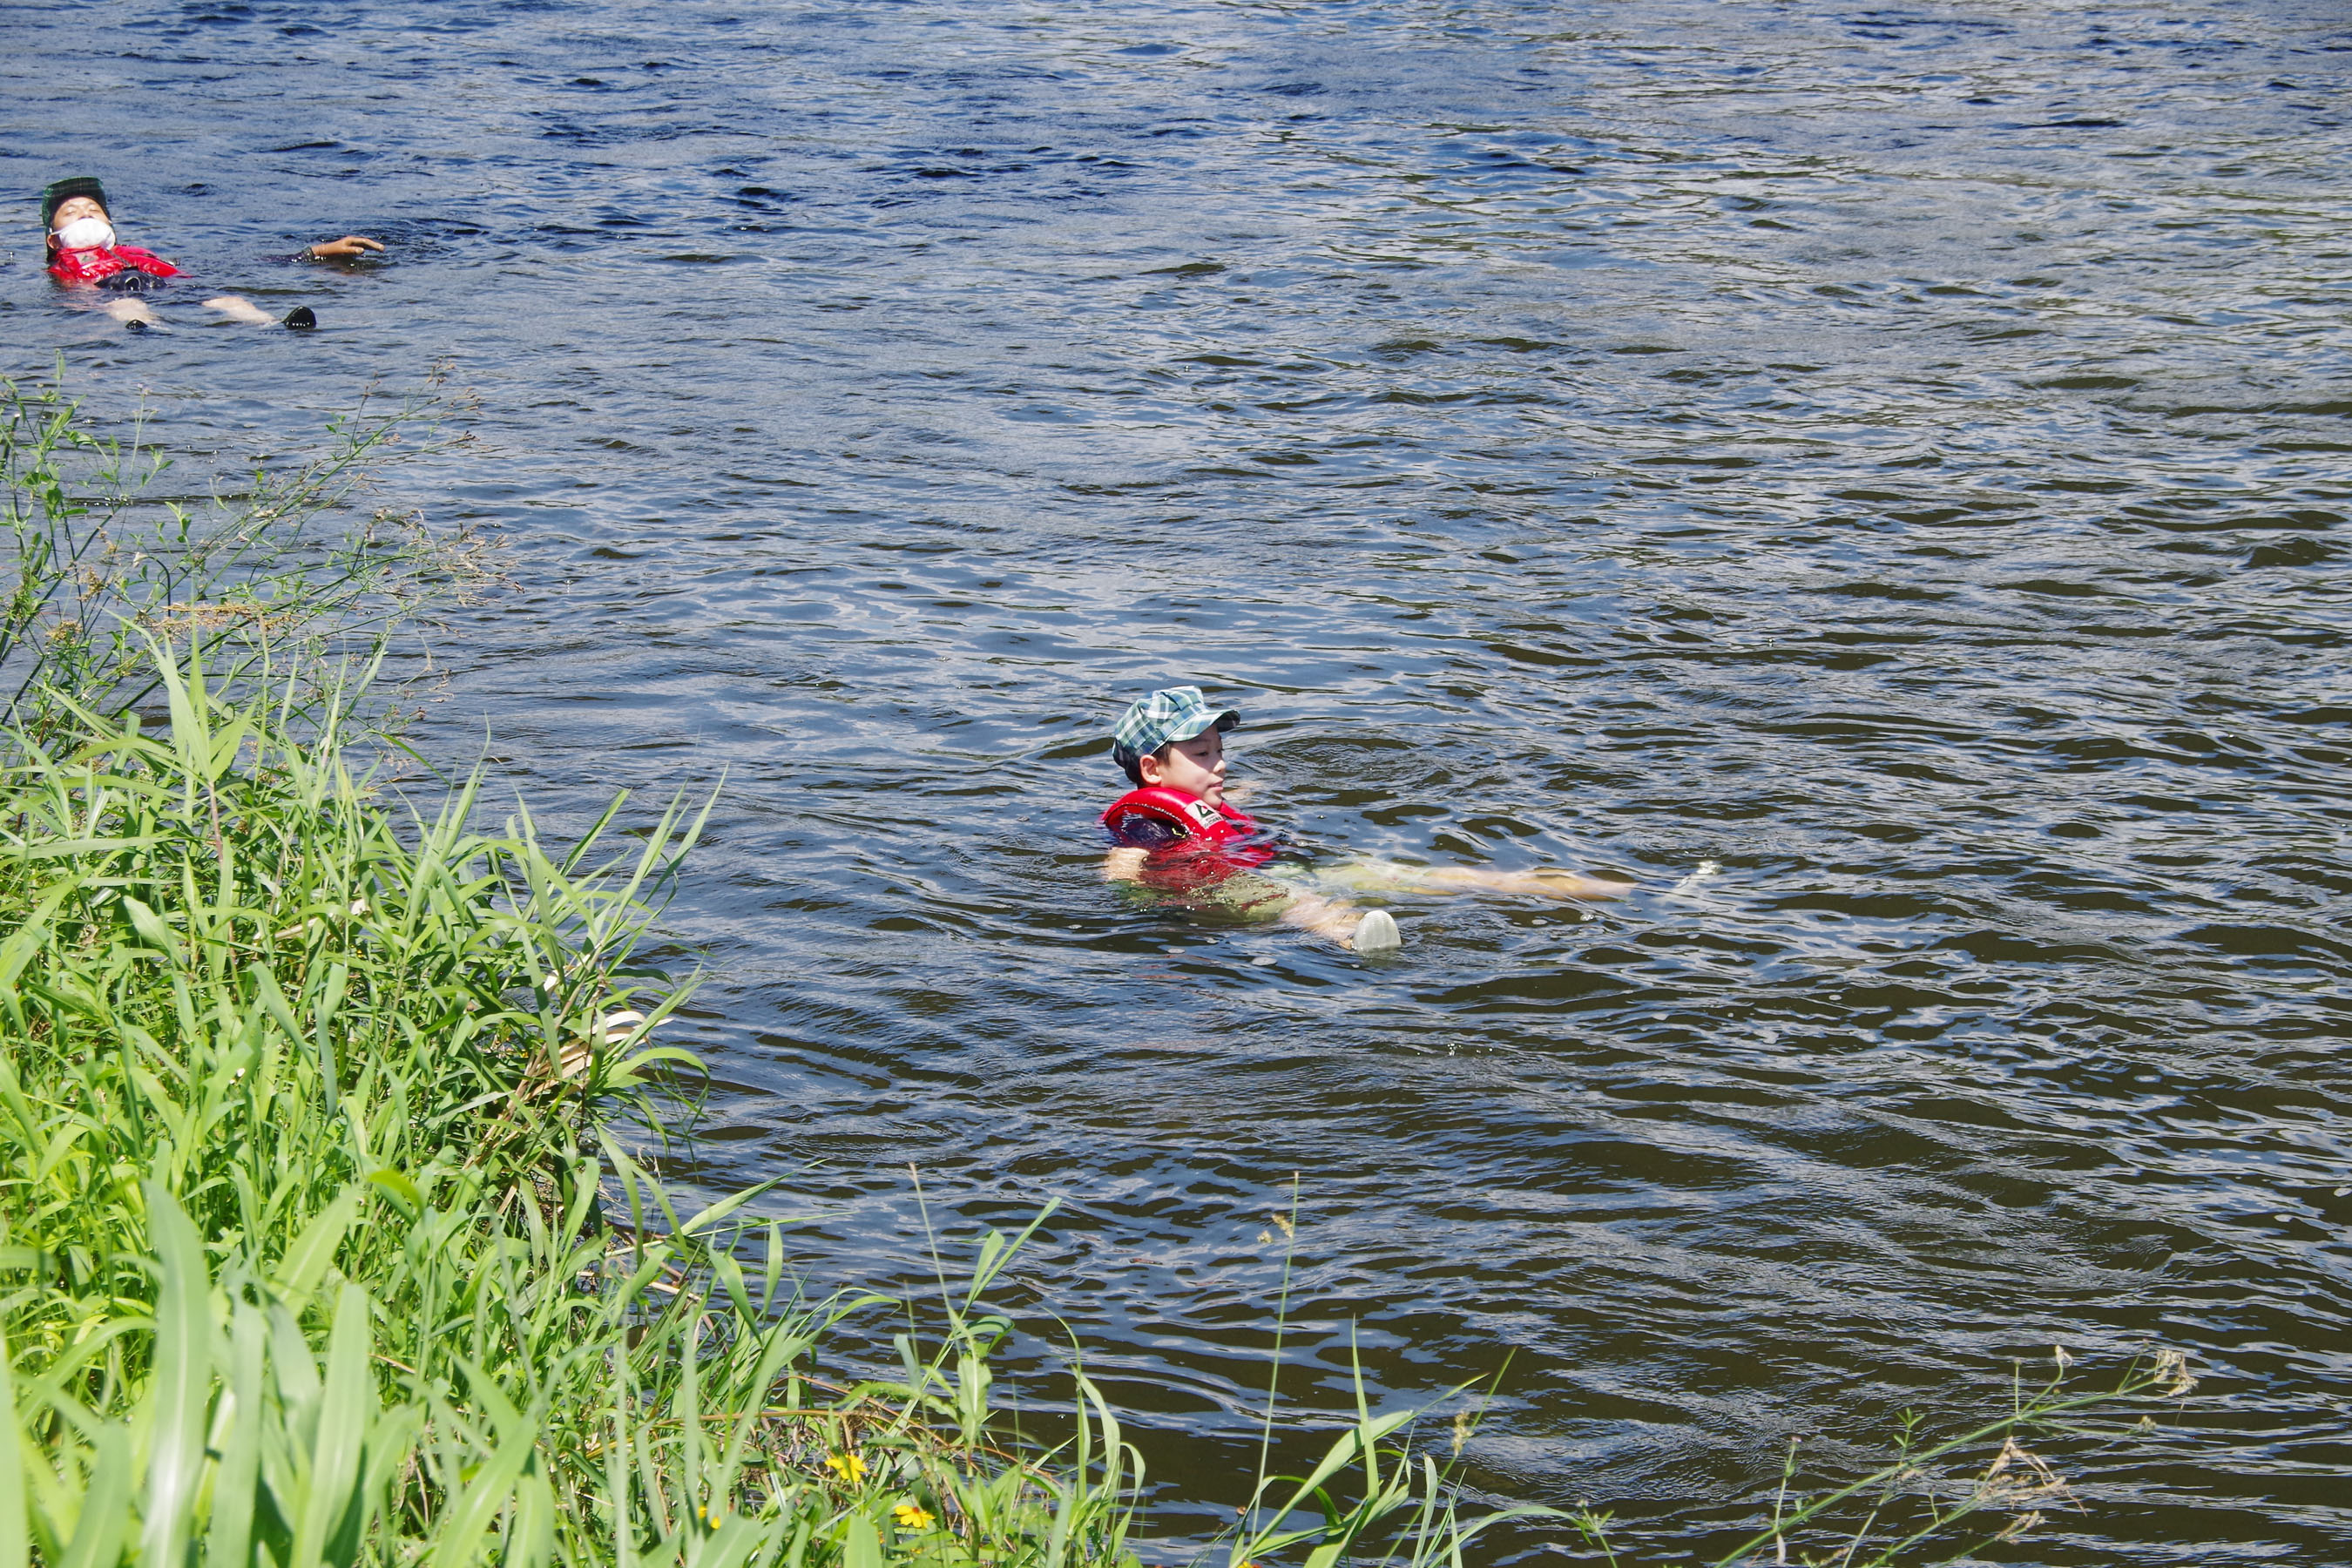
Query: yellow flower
[[910, 1517], [850, 1467]]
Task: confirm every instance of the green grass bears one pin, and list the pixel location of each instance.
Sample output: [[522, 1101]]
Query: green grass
[[302, 1170], [318, 1244]]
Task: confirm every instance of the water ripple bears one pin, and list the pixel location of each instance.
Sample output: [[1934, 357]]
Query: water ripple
[[1898, 455]]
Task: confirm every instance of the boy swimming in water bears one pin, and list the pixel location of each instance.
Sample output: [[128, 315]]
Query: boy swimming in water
[[84, 252], [1176, 831]]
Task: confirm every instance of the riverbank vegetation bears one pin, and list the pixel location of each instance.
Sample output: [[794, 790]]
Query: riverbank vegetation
[[113, 554], [322, 1243]]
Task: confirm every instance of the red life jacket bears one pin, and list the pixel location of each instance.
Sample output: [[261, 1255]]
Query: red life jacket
[[1193, 844], [99, 262]]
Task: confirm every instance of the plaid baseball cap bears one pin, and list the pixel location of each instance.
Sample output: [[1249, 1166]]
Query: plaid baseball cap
[[61, 192], [1174, 713]]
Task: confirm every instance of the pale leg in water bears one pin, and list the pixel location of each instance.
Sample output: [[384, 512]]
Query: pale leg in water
[[130, 311], [1544, 884], [1332, 918], [1261, 897], [238, 309], [1343, 922], [1366, 876]]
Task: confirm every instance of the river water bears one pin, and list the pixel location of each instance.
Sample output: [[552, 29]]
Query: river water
[[1897, 456]]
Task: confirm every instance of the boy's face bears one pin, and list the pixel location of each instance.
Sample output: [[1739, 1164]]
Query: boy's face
[[74, 207], [1196, 766]]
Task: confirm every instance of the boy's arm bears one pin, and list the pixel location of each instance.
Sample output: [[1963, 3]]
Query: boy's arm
[[1123, 865], [332, 249]]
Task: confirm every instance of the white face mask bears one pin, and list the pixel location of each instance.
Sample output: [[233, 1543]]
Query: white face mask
[[86, 234]]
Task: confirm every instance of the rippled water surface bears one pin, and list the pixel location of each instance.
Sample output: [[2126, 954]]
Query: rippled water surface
[[1899, 456]]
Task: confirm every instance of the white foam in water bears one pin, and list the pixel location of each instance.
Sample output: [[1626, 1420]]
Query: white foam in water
[[1708, 871]]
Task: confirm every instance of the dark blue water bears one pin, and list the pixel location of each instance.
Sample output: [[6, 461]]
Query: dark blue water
[[1898, 455]]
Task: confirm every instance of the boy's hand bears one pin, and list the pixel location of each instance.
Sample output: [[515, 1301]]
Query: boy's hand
[[1123, 866], [350, 245]]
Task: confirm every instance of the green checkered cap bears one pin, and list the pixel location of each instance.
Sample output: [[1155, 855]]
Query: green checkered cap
[[1176, 713], [61, 192]]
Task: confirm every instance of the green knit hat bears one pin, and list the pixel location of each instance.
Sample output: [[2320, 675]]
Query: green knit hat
[[64, 191]]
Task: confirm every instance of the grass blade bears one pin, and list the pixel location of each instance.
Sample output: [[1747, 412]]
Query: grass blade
[[181, 1380]]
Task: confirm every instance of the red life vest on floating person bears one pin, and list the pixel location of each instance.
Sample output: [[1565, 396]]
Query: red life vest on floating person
[[99, 262], [1193, 844]]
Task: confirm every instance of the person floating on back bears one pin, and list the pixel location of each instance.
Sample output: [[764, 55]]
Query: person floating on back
[[1176, 833], [86, 253]]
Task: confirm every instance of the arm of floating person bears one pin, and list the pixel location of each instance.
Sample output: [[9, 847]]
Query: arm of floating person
[[239, 308], [350, 245]]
